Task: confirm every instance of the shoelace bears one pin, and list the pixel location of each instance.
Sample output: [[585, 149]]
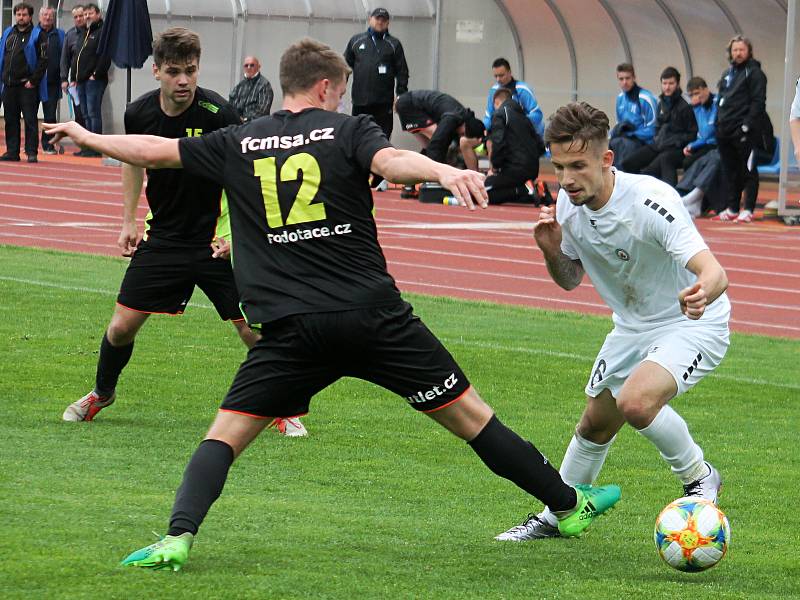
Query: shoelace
[[525, 523], [692, 489]]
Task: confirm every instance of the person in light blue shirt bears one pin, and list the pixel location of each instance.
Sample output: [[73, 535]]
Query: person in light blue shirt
[[637, 109], [521, 93]]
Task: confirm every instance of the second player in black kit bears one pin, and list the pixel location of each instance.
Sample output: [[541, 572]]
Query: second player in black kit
[[176, 252]]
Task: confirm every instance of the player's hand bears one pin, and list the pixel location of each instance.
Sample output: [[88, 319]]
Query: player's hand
[[28, 85], [221, 248], [687, 151], [547, 230], [70, 129], [128, 239], [466, 186], [64, 85], [693, 301]]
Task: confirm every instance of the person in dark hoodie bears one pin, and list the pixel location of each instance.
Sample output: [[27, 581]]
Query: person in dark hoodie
[[55, 42], [23, 60], [676, 127], [740, 117], [91, 73], [515, 151]]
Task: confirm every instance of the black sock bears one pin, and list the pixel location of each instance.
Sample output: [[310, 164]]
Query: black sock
[[509, 456], [203, 481], [109, 366]]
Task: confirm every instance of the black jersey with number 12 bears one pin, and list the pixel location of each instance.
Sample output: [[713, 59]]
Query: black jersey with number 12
[[184, 207], [304, 238]]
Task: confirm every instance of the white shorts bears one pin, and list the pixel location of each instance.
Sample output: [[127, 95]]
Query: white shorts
[[688, 350]]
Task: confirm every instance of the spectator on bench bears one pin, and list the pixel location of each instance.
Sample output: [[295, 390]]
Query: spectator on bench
[[515, 148], [636, 116], [676, 127], [701, 185]]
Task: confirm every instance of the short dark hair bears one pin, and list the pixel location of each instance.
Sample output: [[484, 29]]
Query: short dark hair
[[501, 62], [626, 68], [744, 40], [502, 92], [77, 6], [91, 6], [671, 73], [695, 83], [577, 122], [23, 6], [176, 45], [308, 61]]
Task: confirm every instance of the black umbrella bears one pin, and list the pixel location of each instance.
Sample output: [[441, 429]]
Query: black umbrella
[[127, 38]]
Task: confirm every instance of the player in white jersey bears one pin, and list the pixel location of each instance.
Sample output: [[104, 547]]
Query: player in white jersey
[[634, 238]]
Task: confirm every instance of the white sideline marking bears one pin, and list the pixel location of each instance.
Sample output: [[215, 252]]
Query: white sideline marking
[[461, 341], [463, 225]]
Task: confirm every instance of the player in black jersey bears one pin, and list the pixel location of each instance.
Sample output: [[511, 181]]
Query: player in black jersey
[[437, 119], [184, 241], [308, 263]]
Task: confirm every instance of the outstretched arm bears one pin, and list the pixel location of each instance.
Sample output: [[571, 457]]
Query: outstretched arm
[[711, 283], [403, 166], [148, 151]]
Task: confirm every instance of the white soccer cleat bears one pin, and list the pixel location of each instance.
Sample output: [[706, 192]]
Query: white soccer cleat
[[707, 487], [290, 427], [533, 528], [87, 407]]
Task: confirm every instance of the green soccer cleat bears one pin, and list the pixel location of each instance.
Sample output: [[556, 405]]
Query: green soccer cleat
[[592, 502], [170, 552]]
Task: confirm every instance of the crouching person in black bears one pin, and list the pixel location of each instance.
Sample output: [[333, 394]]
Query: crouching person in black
[[514, 151]]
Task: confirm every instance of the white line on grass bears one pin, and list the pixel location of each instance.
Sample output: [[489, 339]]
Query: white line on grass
[[461, 341]]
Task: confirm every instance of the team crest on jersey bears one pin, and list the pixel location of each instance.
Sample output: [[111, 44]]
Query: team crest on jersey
[[622, 255]]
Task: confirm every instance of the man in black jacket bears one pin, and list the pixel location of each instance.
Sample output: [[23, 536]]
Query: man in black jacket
[[740, 117], [91, 73], [23, 61], [515, 151], [73, 39], [377, 60], [676, 127], [436, 120]]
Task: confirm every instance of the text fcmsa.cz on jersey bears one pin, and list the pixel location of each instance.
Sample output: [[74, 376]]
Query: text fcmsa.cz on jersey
[[285, 141]]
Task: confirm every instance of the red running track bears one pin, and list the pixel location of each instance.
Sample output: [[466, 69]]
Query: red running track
[[75, 204]]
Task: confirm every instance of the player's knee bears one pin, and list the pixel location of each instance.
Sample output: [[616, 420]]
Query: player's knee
[[637, 410], [121, 332]]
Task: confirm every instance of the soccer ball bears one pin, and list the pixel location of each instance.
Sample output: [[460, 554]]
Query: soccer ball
[[692, 534]]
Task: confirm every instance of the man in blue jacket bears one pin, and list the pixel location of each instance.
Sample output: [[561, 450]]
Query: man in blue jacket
[[521, 93], [23, 56], [637, 110], [55, 42]]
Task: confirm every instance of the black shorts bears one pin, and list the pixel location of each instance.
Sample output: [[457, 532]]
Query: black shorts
[[411, 118], [301, 355], [161, 280]]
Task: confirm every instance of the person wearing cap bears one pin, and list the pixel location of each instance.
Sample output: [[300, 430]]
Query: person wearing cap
[[380, 72]]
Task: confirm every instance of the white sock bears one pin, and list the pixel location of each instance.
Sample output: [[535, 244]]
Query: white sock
[[693, 201], [671, 436], [582, 463]]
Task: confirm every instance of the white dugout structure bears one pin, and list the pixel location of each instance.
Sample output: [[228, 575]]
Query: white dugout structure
[[565, 49]]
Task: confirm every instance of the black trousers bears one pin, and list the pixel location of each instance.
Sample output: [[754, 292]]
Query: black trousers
[[735, 156], [509, 185], [19, 99], [50, 111], [382, 113], [662, 164]]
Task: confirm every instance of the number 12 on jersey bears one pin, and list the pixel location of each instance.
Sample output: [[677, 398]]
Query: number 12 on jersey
[[302, 211]]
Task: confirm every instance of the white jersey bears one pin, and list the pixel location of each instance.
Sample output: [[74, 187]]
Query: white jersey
[[635, 250]]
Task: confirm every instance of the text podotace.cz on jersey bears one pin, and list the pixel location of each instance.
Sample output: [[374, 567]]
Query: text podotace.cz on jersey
[[299, 235]]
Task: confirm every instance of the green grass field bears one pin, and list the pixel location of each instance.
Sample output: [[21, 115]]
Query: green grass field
[[378, 502]]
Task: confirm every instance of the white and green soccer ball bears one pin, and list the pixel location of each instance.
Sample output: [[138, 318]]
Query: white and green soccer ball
[[692, 534]]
